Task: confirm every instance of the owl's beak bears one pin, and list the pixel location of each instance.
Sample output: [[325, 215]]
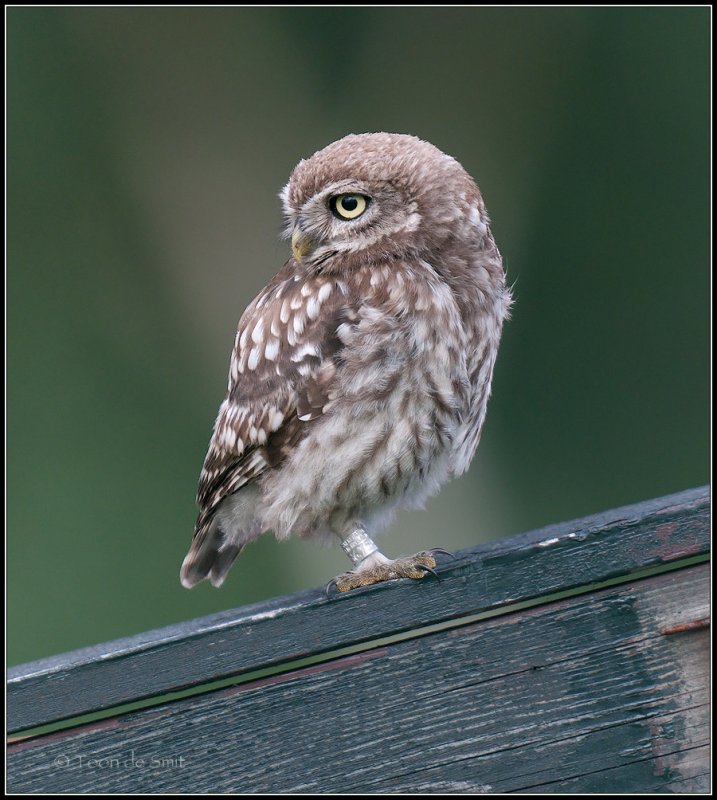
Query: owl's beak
[[301, 244]]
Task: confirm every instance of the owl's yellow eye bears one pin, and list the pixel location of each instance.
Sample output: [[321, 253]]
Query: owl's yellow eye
[[348, 206]]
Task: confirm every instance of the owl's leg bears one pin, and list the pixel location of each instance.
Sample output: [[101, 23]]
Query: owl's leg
[[371, 566]]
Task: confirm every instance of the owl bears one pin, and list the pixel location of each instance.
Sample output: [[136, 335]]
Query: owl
[[360, 375]]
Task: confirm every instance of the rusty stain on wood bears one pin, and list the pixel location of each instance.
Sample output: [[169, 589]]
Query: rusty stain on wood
[[694, 625]]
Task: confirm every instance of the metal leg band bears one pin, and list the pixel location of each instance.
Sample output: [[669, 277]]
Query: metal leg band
[[357, 545]]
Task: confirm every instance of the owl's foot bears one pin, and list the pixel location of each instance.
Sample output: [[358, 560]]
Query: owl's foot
[[375, 570]]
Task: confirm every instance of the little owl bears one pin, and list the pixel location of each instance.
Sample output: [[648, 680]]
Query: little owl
[[360, 375]]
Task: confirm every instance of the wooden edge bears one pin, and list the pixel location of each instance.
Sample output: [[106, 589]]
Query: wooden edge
[[558, 557], [559, 692]]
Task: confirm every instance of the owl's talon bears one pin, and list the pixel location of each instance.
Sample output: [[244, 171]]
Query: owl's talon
[[427, 570], [443, 552], [414, 567]]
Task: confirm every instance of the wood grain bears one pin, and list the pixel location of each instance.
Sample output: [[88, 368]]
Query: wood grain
[[582, 695], [559, 557]]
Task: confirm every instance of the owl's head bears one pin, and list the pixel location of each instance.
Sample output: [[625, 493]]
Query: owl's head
[[380, 195]]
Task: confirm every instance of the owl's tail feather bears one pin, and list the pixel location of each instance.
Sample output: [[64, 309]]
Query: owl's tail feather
[[209, 557]]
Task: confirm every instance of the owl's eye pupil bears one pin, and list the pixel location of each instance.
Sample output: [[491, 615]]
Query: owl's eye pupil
[[348, 206]]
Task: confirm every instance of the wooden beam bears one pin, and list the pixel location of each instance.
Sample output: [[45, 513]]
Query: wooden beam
[[555, 558], [587, 694]]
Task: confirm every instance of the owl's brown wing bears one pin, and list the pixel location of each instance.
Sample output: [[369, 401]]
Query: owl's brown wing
[[281, 371]]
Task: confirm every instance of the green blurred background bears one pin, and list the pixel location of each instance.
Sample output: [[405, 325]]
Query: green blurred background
[[146, 148]]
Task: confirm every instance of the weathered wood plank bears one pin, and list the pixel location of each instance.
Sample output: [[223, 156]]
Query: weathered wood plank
[[581, 695], [551, 559]]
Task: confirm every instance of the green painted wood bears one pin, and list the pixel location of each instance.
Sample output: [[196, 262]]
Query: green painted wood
[[576, 553], [604, 692]]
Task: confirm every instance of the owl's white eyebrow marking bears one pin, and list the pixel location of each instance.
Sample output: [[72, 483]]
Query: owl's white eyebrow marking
[[271, 350], [253, 358]]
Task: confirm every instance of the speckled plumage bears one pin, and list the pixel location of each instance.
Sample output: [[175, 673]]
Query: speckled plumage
[[360, 375]]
